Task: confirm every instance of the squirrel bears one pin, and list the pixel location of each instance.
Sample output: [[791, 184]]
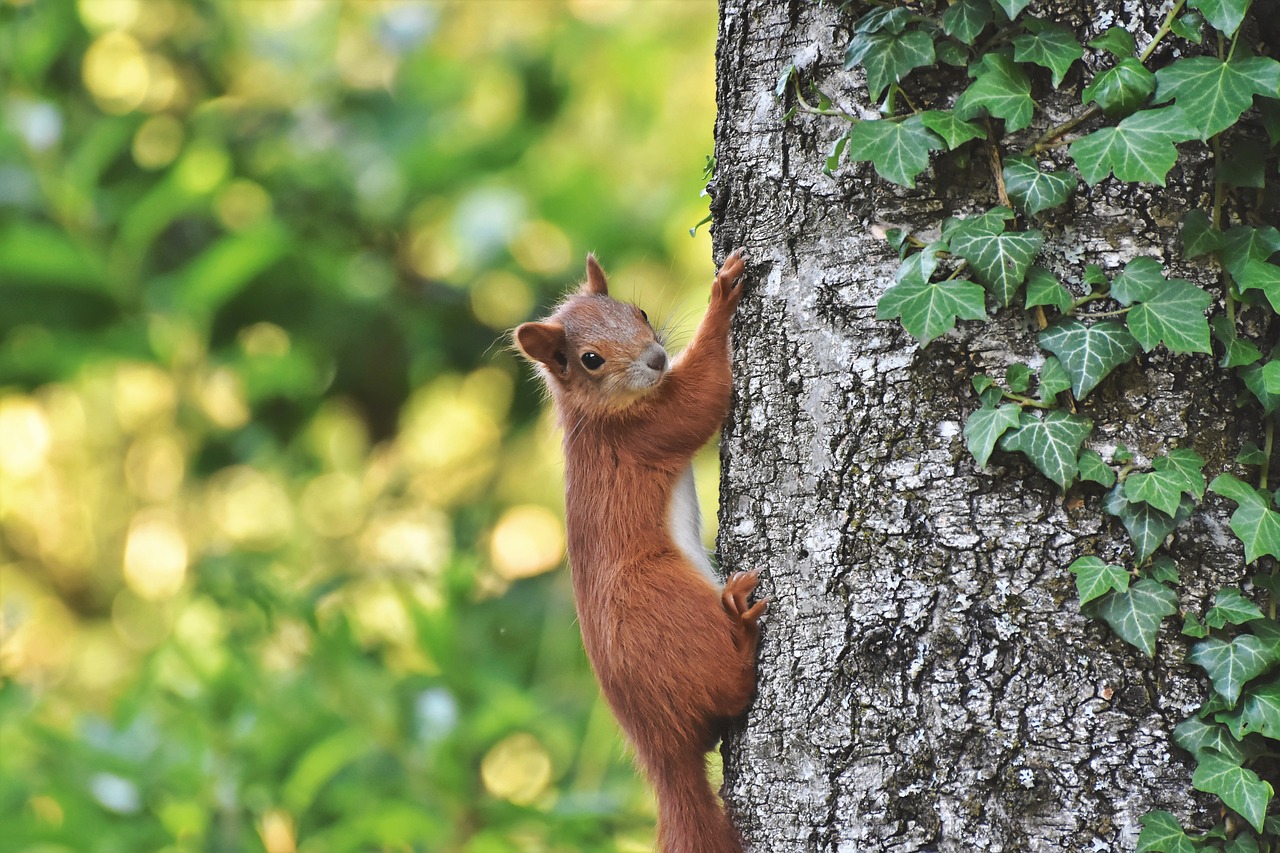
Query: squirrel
[[673, 651]]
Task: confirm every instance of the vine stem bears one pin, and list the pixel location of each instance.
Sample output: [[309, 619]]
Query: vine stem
[[1164, 30], [1268, 436], [818, 111]]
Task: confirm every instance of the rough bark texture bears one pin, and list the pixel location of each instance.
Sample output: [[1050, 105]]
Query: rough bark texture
[[927, 681]]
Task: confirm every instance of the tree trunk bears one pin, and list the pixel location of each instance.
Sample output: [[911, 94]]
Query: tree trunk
[[927, 680]]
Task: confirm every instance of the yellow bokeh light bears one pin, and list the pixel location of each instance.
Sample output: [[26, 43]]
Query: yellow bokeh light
[[155, 555], [25, 436], [143, 395], [541, 248], [264, 340], [362, 62], [47, 810], [416, 540], [116, 72], [154, 466], [221, 398], [250, 508], [500, 299], [431, 253], [333, 505], [528, 540], [379, 616], [517, 769], [494, 99], [158, 141], [100, 15], [139, 622], [242, 203], [277, 832], [202, 169]]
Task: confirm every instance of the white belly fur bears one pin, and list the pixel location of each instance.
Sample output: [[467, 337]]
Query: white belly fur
[[684, 521]]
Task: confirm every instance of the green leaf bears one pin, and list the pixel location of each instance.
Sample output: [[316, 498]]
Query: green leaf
[[1033, 189], [1239, 788], [1264, 381], [1196, 735], [1230, 606], [1001, 260], [1225, 15], [1043, 288], [1012, 7], [1053, 379], [1164, 569], [1212, 93], [1188, 465], [837, 150], [953, 131], [1122, 456], [1257, 525], [1088, 352], [1161, 489], [991, 222], [1140, 148], [1002, 89], [1230, 664], [1238, 351], [1199, 237], [1135, 614], [1095, 578], [1049, 46], [1260, 275], [966, 19], [1244, 243], [1174, 315], [1242, 165], [1188, 26], [1139, 280], [890, 18], [920, 265], [899, 150], [1018, 378], [930, 309], [986, 425], [1148, 527], [1193, 627], [227, 267], [1117, 41], [1251, 454], [888, 57], [1242, 844], [1052, 443], [1259, 712], [1121, 89], [1161, 833], [1093, 469], [952, 53]]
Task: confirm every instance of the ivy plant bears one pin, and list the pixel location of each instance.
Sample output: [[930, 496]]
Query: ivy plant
[[1133, 120]]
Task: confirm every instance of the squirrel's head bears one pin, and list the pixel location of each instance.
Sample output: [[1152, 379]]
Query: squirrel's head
[[595, 353]]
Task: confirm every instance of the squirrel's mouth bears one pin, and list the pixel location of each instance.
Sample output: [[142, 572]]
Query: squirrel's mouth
[[647, 370]]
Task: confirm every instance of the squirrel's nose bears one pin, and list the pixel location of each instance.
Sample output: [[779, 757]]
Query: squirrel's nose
[[657, 360]]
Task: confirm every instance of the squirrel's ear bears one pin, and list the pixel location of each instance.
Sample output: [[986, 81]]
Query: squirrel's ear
[[543, 343], [595, 282]]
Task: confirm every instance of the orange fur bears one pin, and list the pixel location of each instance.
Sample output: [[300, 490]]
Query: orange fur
[[675, 656]]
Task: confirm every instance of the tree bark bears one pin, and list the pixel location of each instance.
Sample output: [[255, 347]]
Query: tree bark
[[927, 681]]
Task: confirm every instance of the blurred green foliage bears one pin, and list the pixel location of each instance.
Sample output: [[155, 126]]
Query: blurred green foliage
[[281, 556]]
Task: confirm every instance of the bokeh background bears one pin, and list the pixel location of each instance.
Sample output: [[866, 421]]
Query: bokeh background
[[281, 546]]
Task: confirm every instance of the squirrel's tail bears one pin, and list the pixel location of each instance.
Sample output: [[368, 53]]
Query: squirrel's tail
[[690, 818]]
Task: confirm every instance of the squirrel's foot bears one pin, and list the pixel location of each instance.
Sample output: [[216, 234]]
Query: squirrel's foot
[[728, 283], [736, 595]]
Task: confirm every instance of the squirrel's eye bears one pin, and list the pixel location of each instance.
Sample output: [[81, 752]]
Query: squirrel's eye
[[644, 315], [592, 360]]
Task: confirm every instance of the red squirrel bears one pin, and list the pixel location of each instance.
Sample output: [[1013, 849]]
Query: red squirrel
[[673, 651]]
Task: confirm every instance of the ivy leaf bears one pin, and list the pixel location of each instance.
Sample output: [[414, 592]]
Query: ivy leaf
[[1260, 275], [1193, 627], [1095, 578], [1012, 7], [1043, 288], [1196, 735], [1259, 713], [1239, 788], [1135, 614], [899, 150], [1121, 89], [1148, 527], [1225, 15], [929, 309], [1093, 469], [966, 19], [1161, 833], [1000, 260], [1212, 93], [1018, 378], [1035, 190], [1244, 243], [1242, 843], [991, 222], [1088, 352], [1140, 148], [1243, 164], [1264, 381], [920, 265], [1257, 525], [1002, 89], [986, 425], [1139, 280], [953, 131], [893, 19], [1164, 569], [1199, 237], [1053, 380], [1052, 443], [1117, 41], [1230, 605], [888, 56], [1049, 46], [1251, 454], [1230, 664], [1161, 489], [1189, 466], [1239, 352], [1174, 315], [1188, 26]]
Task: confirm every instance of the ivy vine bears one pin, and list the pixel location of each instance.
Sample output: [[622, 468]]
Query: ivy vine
[[1132, 118]]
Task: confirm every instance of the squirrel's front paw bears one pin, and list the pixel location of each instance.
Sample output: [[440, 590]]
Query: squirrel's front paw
[[736, 599], [728, 284]]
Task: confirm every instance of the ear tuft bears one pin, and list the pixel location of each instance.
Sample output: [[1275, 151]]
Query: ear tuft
[[543, 343], [595, 282]]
